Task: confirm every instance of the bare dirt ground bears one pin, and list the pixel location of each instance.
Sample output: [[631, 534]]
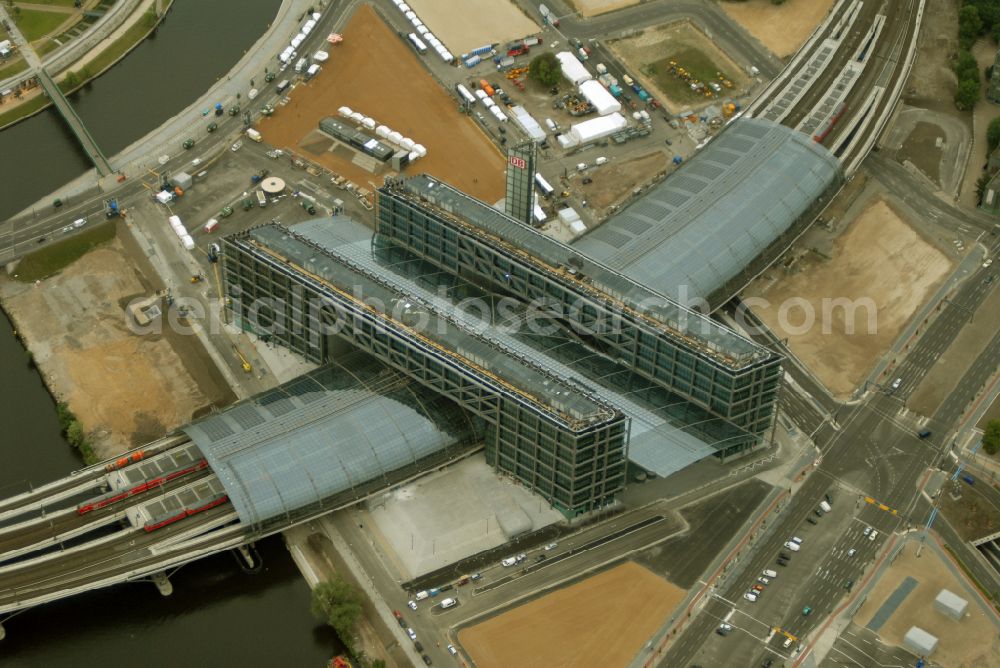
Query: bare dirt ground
[[609, 615], [951, 366], [496, 21], [655, 44], [962, 644], [879, 260], [125, 389], [992, 413], [920, 148], [781, 28], [390, 85], [972, 515], [596, 7], [615, 181], [932, 82]]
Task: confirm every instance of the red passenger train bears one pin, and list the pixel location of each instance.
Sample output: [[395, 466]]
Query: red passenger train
[[146, 485], [160, 522]]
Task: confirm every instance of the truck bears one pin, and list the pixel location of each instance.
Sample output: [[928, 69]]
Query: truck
[[211, 225], [627, 80], [517, 49], [548, 16], [504, 63], [615, 89], [532, 41], [601, 69], [253, 135], [643, 95], [486, 88]]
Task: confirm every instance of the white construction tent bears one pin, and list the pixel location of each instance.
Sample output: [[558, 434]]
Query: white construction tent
[[598, 95], [592, 130], [572, 68], [528, 124]]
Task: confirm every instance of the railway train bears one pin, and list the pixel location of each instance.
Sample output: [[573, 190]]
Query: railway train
[[164, 520], [828, 124], [122, 494]]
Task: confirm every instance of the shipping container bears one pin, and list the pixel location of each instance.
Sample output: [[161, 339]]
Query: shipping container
[[466, 95], [486, 87], [471, 61], [417, 43], [543, 186]]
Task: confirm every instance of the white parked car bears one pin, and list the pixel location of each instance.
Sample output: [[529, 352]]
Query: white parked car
[[421, 595], [797, 540], [787, 643], [851, 552], [867, 531], [412, 605], [448, 603], [763, 581], [768, 573], [750, 597], [873, 535], [410, 632], [509, 561], [551, 546], [794, 547]]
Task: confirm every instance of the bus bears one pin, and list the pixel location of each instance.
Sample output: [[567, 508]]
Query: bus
[[544, 186], [417, 43]]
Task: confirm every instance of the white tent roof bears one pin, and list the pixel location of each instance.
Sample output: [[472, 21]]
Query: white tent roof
[[596, 128], [572, 68], [598, 95]]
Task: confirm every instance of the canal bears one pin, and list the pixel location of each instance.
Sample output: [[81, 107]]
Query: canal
[[217, 615]]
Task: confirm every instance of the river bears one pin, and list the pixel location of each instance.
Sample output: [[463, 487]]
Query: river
[[217, 615]]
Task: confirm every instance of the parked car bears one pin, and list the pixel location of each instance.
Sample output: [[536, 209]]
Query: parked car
[[873, 535], [427, 659], [811, 520], [763, 580], [509, 561], [452, 650], [410, 632], [750, 596], [724, 629], [867, 531], [782, 562], [757, 588], [769, 573], [851, 552], [551, 546], [412, 605], [794, 547], [806, 611]]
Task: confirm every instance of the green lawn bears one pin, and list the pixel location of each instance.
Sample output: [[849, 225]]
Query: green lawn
[[60, 3], [60, 254], [36, 23], [22, 110], [14, 66], [694, 61], [131, 37]]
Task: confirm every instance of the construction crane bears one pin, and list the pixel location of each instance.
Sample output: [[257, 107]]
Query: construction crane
[[246, 363]]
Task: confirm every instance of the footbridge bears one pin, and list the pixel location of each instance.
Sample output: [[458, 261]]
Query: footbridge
[[321, 442], [67, 111], [74, 122]]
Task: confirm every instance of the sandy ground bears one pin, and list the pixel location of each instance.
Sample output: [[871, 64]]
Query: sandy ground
[[392, 87], [656, 44], [781, 28], [993, 413], [982, 114], [972, 514], [956, 648], [609, 616], [880, 258], [596, 7], [932, 80], [125, 389], [613, 182], [950, 367], [496, 21]]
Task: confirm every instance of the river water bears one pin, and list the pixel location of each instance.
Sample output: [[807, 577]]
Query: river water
[[217, 615]]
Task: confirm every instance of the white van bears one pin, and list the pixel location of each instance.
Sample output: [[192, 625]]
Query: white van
[[421, 595], [301, 65], [825, 506], [767, 572], [794, 547], [796, 540], [600, 161], [252, 94], [448, 602], [551, 124]]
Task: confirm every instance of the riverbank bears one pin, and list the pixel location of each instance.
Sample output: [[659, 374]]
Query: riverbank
[[139, 25]]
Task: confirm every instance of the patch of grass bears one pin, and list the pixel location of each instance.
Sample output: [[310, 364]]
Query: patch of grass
[[22, 110], [12, 68], [132, 36], [36, 23], [699, 65], [60, 254], [59, 3]]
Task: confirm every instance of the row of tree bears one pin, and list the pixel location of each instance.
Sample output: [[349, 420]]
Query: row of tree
[[72, 430], [338, 603], [976, 18]]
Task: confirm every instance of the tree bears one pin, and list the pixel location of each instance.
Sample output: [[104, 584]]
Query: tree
[[993, 134], [338, 604], [966, 66], [545, 69], [991, 437], [969, 25], [967, 94], [981, 184], [74, 434]]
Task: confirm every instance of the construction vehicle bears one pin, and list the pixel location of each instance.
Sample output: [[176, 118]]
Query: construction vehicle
[[243, 360], [309, 207], [111, 209], [196, 278]]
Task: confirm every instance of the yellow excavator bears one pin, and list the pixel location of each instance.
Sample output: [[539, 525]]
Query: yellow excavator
[[246, 363]]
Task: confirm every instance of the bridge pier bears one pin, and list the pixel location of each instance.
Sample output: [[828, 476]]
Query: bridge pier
[[163, 584], [248, 558], [3, 633]]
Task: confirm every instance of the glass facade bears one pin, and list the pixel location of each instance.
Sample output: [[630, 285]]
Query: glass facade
[[520, 199], [548, 433], [742, 395]]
